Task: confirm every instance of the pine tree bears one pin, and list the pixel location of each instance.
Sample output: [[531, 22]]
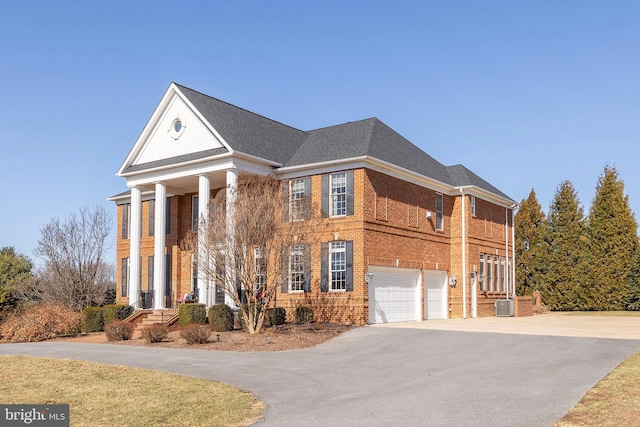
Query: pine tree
[[633, 285], [529, 225], [562, 280], [613, 244]]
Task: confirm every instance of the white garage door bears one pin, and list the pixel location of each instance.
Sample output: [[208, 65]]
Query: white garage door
[[394, 295], [435, 295]]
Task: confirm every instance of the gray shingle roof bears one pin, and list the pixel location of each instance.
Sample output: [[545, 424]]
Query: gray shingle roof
[[372, 138], [247, 132], [461, 176]]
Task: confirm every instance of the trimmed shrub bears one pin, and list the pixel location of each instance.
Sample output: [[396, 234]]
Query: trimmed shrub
[[221, 318], [155, 333], [192, 313], [118, 330], [241, 321], [92, 319], [39, 323], [304, 314], [116, 312], [195, 334], [276, 316]]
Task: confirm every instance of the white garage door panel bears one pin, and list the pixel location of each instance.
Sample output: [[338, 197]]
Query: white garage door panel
[[435, 295], [393, 295]]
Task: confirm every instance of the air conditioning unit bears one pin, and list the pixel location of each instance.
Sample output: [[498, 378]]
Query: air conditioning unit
[[504, 308]]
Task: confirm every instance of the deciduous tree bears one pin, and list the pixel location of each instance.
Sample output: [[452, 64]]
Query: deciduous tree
[[73, 250], [248, 248]]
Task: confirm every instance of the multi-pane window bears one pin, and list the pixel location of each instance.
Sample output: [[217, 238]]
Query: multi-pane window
[[338, 195], [482, 276], [338, 265], [194, 213], [473, 205], [297, 269], [495, 273], [297, 198], [260, 271], [152, 216], [488, 278], [503, 274], [439, 212]]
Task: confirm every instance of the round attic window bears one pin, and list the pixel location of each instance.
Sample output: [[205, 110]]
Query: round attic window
[[177, 128]]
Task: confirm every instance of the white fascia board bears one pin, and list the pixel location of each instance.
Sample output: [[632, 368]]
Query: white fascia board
[[157, 115], [126, 198], [472, 190], [369, 163], [181, 165]]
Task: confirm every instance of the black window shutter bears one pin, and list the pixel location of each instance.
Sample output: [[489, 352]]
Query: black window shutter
[[307, 198], [325, 196], [307, 268], [167, 226], [349, 192], [285, 201], [324, 267], [349, 278], [125, 221]]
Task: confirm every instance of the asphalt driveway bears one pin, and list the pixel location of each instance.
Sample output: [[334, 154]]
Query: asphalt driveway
[[392, 376]]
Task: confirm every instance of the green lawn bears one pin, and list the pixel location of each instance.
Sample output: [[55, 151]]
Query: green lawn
[[107, 395]]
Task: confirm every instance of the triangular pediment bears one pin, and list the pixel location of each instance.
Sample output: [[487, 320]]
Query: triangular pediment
[[176, 130]]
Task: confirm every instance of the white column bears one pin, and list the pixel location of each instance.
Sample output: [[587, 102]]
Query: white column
[[158, 245], [232, 189], [134, 247], [204, 191]]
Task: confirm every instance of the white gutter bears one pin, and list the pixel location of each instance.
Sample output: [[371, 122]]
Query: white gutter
[[464, 259], [506, 247]]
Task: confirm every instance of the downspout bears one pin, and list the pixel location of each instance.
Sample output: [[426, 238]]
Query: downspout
[[464, 259], [513, 248], [506, 248]]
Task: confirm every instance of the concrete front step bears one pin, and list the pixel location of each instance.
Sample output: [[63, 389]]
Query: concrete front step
[[154, 318]]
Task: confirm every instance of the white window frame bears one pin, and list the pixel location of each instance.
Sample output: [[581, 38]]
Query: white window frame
[[259, 270], [502, 274], [489, 265], [482, 274], [338, 194], [473, 205], [338, 266], [439, 211], [296, 199], [296, 269]]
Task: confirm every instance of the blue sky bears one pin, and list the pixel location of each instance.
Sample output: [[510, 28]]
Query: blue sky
[[524, 93]]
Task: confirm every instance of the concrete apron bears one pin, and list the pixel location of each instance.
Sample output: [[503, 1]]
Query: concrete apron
[[550, 324]]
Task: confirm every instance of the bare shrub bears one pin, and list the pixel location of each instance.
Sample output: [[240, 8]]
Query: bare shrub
[[155, 333], [195, 334], [118, 330], [39, 323]]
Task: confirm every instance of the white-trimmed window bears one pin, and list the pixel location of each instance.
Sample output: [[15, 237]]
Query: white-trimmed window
[[338, 195], [338, 265], [488, 270], [503, 274], [297, 198], [495, 273], [124, 287], [473, 205], [260, 270], [126, 220], [483, 278], [439, 211], [194, 213], [296, 274], [151, 207]]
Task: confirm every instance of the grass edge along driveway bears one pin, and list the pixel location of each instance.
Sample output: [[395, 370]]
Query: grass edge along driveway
[[108, 395]]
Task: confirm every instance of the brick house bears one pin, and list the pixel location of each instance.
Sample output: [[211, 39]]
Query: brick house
[[404, 237]]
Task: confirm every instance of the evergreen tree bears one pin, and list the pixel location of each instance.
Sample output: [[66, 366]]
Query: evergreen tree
[[529, 225], [15, 271], [562, 280], [613, 244], [633, 285]]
